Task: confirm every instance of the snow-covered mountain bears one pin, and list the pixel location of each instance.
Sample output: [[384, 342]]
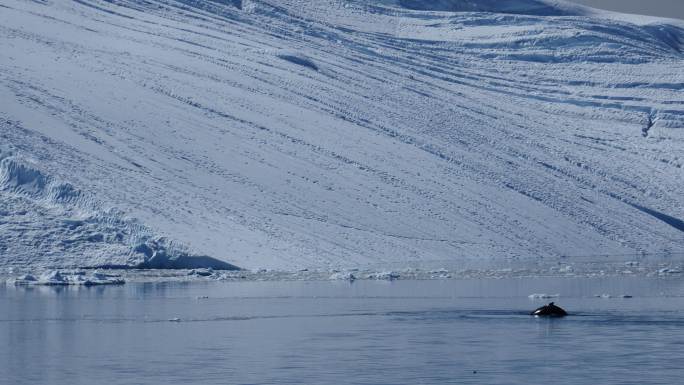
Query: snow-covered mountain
[[335, 133]]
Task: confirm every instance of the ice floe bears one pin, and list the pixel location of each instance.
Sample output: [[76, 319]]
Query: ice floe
[[343, 276], [60, 278], [542, 296]]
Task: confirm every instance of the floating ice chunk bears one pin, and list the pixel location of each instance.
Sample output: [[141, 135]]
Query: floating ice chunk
[[53, 278], [440, 276], [202, 272], [668, 271], [543, 296], [386, 275], [343, 276], [98, 278]]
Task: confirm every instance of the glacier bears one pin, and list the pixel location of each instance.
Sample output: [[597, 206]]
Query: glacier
[[291, 134]]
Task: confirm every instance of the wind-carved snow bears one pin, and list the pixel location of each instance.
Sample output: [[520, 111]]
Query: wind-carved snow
[[288, 134]]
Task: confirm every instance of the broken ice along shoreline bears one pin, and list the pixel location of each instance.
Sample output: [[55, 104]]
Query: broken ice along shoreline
[[59, 278], [658, 268]]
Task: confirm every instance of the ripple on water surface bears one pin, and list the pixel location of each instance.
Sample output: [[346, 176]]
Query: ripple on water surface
[[439, 331]]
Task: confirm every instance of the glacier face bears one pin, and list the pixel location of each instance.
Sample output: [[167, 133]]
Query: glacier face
[[290, 133]]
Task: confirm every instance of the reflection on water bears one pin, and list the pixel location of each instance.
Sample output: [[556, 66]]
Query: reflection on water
[[412, 332]]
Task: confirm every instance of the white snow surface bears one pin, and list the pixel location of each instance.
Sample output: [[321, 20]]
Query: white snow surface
[[285, 134]]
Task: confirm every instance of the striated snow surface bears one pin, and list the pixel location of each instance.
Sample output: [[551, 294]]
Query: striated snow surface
[[285, 134]]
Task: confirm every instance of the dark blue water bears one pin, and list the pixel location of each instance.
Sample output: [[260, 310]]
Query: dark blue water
[[402, 332]]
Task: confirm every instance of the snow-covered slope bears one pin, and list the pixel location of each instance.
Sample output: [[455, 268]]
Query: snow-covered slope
[[336, 133]]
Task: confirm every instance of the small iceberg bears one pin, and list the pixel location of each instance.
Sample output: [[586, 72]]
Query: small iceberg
[[343, 276], [53, 278], [542, 296], [386, 275], [609, 296], [98, 278], [208, 272], [669, 271], [440, 274]]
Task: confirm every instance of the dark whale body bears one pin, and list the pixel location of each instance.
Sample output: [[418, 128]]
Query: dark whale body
[[549, 310]]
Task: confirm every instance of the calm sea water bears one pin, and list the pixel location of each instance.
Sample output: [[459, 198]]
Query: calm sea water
[[401, 332]]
